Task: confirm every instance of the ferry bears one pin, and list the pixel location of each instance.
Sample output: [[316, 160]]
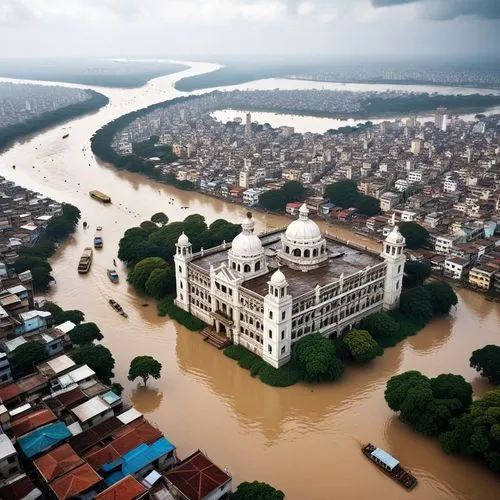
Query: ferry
[[113, 276], [85, 260], [97, 195], [65, 136], [390, 466]]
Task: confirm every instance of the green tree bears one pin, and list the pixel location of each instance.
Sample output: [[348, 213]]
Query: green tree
[[140, 273], [442, 297], [73, 315], [40, 270], [148, 226], [272, 200], [116, 388], [160, 282], [416, 272], [160, 219], [71, 213], [85, 333], [59, 228], [98, 358], [487, 362], [415, 304], [416, 236], [342, 193], [362, 346], [293, 191], [448, 385], [367, 205], [43, 249], [411, 393], [144, 367], [477, 433], [382, 328], [315, 358], [52, 308], [27, 355], [256, 490]]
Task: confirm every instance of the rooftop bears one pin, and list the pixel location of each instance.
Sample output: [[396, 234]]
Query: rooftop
[[32, 421], [92, 436], [127, 488], [75, 482], [197, 476], [22, 489], [90, 409], [129, 416], [57, 462], [9, 392], [43, 439], [385, 458], [6, 447]]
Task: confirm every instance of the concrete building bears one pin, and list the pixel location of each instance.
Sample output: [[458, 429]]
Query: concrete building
[[266, 292]]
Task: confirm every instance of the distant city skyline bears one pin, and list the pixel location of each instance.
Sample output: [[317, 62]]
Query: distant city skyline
[[176, 28]]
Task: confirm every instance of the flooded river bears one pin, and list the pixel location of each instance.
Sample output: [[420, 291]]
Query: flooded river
[[303, 439]]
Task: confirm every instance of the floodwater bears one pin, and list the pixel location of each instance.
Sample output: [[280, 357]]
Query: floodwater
[[304, 439]]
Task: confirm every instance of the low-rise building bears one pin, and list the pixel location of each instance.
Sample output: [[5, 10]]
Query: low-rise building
[[482, 276], [454, 267]]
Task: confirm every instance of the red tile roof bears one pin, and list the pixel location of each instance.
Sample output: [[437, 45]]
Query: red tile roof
[[77, 481], [8, 392], [197, 476], [127, 488], [30, 383], [125, 440], [32, 421], [57, 462], [18, 490]]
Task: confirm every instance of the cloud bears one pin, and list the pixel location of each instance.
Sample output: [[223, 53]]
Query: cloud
[[449, 9]]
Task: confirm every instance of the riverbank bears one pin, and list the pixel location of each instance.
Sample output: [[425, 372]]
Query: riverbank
[[11, 133]]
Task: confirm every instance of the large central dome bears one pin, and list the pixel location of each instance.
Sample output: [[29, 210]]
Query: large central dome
[[247, 244], [303, 230]]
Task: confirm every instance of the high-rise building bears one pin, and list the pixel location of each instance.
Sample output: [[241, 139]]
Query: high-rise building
[[438, 117], [444, 124], [416, 146], [248, 126]]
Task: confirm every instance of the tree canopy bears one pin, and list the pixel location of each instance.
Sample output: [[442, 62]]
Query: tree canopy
[[27, 355], [148, 226], [415, 304], [382, 328], [442, 297], [345, 194], [416, 272], [85, 333], [416, 236], [256, 490], [144, 367], [40, 270], [314, 356], [139, 274], [278, 198], [362, 346], [427, 405], [159, 219], [99, 358], [477, 432], [73, 315], [487, 362]]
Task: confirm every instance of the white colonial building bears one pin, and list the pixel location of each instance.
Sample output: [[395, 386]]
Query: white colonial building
[[266, 292]]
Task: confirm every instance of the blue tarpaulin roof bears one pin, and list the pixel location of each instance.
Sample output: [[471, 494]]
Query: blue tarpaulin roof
[[385, 458], [136, 459], [43, 438]]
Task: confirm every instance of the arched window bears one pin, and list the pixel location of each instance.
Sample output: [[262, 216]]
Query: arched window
[[287, 249], [234, 265], [307, 253], [239, 268], [315, 252], [296, 253], [246, 268], [257, 266]]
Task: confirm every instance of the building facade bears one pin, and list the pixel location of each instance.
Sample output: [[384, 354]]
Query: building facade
[[266, 292]]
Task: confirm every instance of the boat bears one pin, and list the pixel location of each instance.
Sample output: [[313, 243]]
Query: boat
[[97, 195], [390, 466], [65, 136], [98, 242], [113, 276], [118, 308], [85, 260], [84, 225]]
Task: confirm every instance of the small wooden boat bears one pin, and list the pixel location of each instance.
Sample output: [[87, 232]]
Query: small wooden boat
[[65, 136], [113, 276], [390, 466], [97, 195], [84, 225], [118, 308]]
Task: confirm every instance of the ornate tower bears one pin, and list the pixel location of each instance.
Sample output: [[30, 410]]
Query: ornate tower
[[182, 257], [393, 253], [277, 321]]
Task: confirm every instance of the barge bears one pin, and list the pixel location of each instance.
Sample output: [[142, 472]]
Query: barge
[[97, 195], [85, 260]]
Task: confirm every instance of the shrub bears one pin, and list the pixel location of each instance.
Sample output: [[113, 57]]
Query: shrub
[[279, 377], [166, 307]]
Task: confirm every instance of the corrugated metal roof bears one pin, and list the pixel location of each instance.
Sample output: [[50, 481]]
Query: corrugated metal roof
[[385, 458], [12, 345], [77, 481], [43, 439], [110, 397], [6, 447], [129, 416], [76, 376], [25, 316], [90, 408], [66, 327], [57, 462], [127, 488], [60, 363]]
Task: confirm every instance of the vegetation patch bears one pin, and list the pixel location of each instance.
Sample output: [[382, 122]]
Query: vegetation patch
[[166, 307]]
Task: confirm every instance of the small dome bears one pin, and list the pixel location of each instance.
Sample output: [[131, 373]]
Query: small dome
[[303, 230], [246, 245], [278, 278], [395, 237], [183, 239]]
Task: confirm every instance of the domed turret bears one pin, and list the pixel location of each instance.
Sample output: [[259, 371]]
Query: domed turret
[[303, 245], [183, 239], [278, 278], [395, 237]]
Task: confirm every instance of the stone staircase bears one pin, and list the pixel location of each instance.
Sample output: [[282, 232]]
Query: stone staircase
[[213, 338]]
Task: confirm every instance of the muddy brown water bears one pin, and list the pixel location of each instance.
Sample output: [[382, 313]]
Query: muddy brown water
[[303, 439]]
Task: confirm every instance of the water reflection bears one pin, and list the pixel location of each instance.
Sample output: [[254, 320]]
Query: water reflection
[[433, 336], [146, 399]]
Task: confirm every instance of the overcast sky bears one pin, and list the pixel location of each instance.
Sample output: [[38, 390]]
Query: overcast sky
[[32, 28]]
